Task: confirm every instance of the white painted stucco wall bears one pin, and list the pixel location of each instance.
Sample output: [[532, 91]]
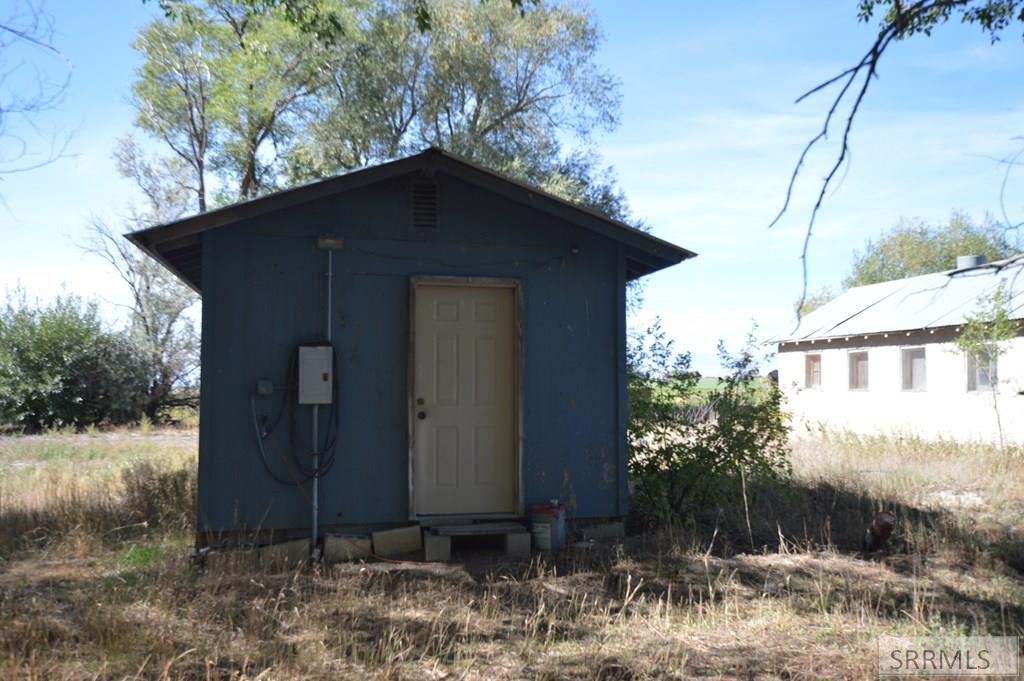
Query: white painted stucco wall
[[945, 409]]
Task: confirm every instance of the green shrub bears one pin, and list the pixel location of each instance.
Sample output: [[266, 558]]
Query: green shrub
[[60, 367], [690, 448]]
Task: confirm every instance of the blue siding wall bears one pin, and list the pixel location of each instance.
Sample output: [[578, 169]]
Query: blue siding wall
[[264, 292]]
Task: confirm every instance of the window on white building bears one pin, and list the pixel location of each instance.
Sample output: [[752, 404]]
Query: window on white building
[[858, 370], [812, 372], [913, 369], [982, 370]]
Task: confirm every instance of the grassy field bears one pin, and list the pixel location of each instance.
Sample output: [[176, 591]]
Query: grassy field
[[94, 582], [708, 383]]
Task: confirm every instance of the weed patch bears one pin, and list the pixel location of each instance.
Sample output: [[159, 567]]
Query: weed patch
[[85, 597]]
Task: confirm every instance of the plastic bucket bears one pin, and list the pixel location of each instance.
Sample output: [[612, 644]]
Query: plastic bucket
[[552, 517], [541, 536]]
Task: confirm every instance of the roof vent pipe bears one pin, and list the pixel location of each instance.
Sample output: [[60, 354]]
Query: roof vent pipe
[[966, 262]]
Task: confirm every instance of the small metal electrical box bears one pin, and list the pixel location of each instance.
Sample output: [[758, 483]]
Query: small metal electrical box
[[316, 374]]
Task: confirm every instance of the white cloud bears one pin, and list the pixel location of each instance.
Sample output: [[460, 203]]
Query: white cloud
[[714, 185]]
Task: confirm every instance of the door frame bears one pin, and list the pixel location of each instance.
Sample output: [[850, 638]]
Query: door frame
[[517, 371]]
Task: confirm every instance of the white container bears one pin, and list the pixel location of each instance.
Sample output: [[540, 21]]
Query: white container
[[542, 536]]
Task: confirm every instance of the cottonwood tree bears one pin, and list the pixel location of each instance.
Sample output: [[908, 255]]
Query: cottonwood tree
[[898, 20], [249, 101], [245, 100], [221, 88], [321, 19], [269, 104], [486, 82], [499, 86], [172, 93], [265, 79], [160, 324], [220, 82], [26, 47]]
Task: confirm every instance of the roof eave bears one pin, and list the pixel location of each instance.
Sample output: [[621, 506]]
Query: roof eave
[[135, 238], [844, 337], [649, 252]]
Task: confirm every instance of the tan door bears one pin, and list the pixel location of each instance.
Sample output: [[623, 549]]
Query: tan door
[[464, 449]]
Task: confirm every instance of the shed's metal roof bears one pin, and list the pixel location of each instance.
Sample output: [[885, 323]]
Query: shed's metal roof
[[178, 245], [928, 301]]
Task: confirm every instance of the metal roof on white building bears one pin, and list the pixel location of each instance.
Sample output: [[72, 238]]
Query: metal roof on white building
[[925, 302]]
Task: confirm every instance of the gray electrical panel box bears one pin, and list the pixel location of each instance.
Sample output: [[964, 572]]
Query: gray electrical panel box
[[316, 375]]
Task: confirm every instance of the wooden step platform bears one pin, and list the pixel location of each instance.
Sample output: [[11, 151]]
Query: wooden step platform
[[471, 529], [437, 542]]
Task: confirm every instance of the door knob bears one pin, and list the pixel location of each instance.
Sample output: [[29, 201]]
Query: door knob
[[421, 415]]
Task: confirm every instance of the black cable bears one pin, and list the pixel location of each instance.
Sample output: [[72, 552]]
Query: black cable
[[292, 391], [330, 437], [288, 402], [260, 436], [284, 403]]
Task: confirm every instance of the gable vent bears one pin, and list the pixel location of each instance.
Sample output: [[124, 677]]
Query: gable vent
[[424, 205]]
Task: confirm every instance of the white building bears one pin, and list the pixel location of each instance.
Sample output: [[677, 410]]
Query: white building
[[881, 358]]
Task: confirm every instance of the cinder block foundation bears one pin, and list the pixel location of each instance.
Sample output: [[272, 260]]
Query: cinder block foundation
[[614, 530], [517, 545], [437, 548], [339, 549], [227, 561], [285, 554], [398, 541]]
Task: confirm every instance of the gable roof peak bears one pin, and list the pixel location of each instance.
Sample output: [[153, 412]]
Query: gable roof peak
[[177, 244]]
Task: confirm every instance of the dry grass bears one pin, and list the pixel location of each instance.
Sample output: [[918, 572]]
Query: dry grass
[[83, 598], [973, 479], [72, 493]]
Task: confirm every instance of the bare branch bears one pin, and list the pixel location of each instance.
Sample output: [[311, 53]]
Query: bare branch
[[856, 80], [1010, 161], [159, 324], [26, 26]]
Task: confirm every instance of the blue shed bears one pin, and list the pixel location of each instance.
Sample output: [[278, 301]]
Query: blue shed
[[423, 338]]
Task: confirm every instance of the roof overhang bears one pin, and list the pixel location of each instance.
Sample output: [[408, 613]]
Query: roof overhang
[[178, 245], [922, 306], [867, 338]]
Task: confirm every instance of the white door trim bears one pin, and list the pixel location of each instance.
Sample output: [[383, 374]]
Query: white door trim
[[517, 401]]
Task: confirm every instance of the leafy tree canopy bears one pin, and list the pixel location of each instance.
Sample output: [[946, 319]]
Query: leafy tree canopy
[[317, 18], [485, 82], [223, 90], [907, 19], [913, 247], [251, 96], [251, 102]]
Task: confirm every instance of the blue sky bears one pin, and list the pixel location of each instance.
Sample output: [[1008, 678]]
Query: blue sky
[[708, 137]]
